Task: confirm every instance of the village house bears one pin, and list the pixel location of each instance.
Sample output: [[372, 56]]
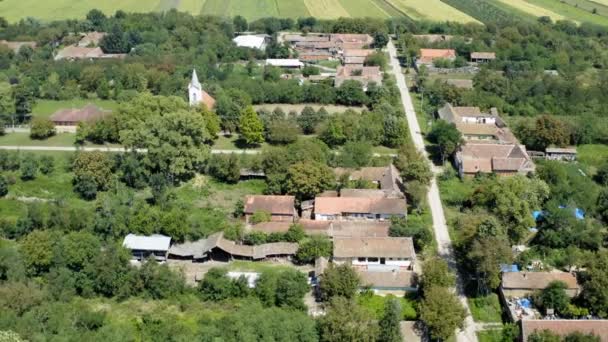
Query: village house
[[345, 41], [294, 38], [565, 327], [368, 252], [356, 56], [387, 179], [524, 284], [477, 125], [358, 208], [362, 74], [74, 52], [501, 159], [429, 56], [252, 41], [91, 39], [562, 154], [482, 57], [143, 247], [16, 46], [71, 117], [280, 208], [196, 94], [330, 229], [285, 63], [216, 247]]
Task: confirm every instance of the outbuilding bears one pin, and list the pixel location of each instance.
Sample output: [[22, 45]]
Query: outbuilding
[[143, 247]]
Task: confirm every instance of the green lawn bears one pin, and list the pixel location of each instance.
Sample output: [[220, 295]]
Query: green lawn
[[490, 336], [23, 139], [375, 305], [486, 309], [45, 108], [593, 155]]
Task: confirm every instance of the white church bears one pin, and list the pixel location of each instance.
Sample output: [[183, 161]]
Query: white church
[[196, 94]]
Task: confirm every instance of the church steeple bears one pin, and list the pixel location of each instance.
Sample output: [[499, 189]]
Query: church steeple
[[194, 83], [196, 94]]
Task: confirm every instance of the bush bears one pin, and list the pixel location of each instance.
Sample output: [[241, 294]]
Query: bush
[[85, 186], [3, 186], [47, 164], [41, 128], [316, 246], [29, 167], [282, 132], [259, 217]]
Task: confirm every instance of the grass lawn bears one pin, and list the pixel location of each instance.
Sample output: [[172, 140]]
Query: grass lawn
[[490, 336], [384, 150], [257, 266], [329, 63], [205, 192], [45, 108], [593, 155], [23, 139], [486, 309], [375, 305]]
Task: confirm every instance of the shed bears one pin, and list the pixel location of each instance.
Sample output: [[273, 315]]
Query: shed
[[143, 247]]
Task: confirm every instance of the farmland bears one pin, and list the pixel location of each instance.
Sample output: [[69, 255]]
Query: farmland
[[431, 10]]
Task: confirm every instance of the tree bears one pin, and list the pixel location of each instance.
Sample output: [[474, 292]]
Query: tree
[[176, 143], [551, 131], [413, 165], [306, 179], [543, 336], [309, 119], [97, 19], [339, 281], [251, 127], [350, 93], [47, 164], [291, 287], [446, 136], [93, 166], [395, 131], [217, 286], [390, 330], [485, 256], [295, 233], [554, 297], [346, 321], [240, 24], [380, 39], [29, 167], [356, 154], [435, 273], [7, 103], [282, 132], [86, 186], [442, 312], [114, 41], [42, 128], [224, 167], [3, 186], [333, 133], [312, 248], [421, 235], [37, 249]]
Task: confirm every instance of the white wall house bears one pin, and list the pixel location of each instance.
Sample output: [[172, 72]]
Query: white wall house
[[375, 253]]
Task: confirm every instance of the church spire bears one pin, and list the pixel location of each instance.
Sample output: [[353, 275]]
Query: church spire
[[194, 83]]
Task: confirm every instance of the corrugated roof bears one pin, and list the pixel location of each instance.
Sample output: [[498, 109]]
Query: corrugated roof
[[483, 55], [286, 62], [154, 242], [250, 41]]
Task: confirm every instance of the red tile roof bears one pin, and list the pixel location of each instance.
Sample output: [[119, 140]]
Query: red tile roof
[[277, 205], [361, 205], [429, 55], [563, 327], [88, 113], [536, 280]]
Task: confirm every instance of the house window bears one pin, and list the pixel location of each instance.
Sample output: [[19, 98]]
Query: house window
[[194, 99], [372, 259], [383, 261], [361, 259]]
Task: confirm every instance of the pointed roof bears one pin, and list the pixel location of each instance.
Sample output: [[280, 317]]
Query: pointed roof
[[194, 82]]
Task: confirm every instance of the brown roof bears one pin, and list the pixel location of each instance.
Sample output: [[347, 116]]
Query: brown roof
[[370, 193], [351, 38], [355, 61], [536, 280], [15, 46], [91, 38], [380, 247], [565, 327], [352, 205], [88, 113], [388, 280], [217, 241], [429, 55], [325, 45], [78, 52], [277, 205], [328, 228], [367, 75], [387, 177], [490, 157], [358, 52], [483, 55], [458, 83], [308, 38]]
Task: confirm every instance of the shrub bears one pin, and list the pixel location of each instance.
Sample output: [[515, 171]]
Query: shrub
[[259, 217], [41, 128]]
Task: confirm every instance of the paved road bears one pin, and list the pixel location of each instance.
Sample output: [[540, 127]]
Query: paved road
[[440, 227]]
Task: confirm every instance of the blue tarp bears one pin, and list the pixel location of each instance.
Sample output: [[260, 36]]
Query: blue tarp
[[509, 268], [524, 303], [537, 214], [578, 213]]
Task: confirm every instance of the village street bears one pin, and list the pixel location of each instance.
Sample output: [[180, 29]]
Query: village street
[[440, 227]]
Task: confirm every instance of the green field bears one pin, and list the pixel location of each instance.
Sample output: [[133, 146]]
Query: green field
[[14, 10], [575, 10]]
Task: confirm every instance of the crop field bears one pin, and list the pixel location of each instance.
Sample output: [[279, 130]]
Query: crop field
[[571, 12], [431, 10], [14, 10], [533, 9]]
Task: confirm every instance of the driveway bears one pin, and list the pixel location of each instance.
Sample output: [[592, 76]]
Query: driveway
[[440, 227]]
